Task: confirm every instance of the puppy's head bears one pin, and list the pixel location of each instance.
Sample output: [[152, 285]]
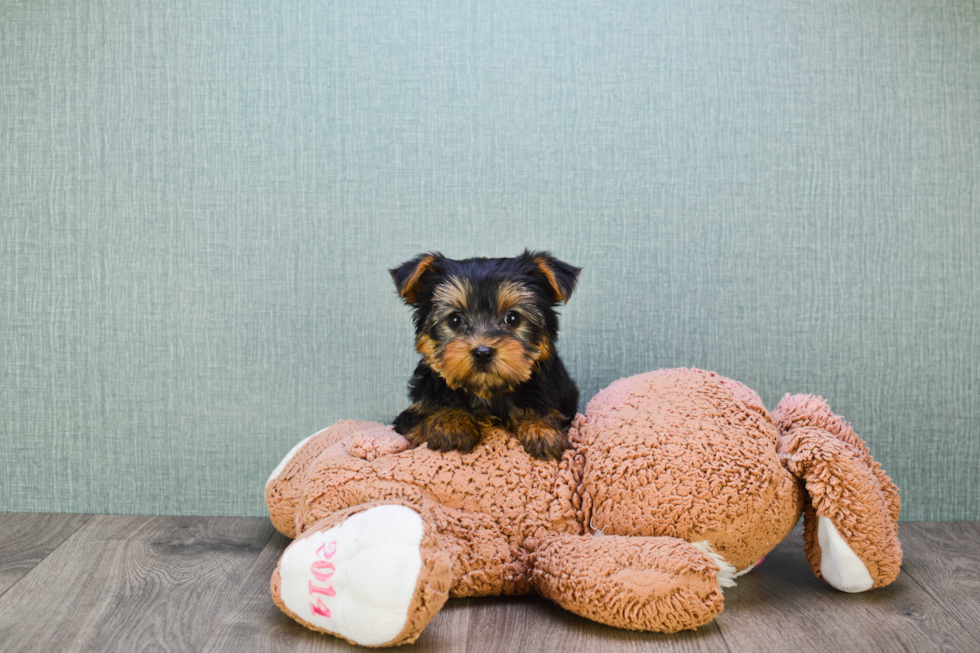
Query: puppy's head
[[484, 324]]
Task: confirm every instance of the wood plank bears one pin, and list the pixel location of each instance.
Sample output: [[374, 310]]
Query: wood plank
[[782, 606], [28, 538], [531, 624], [254, 623], [133, 583], [944, 558]]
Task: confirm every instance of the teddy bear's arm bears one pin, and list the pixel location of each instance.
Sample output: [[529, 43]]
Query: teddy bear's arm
[[851, 516], [373, 443], [659, 584], [283, 488]]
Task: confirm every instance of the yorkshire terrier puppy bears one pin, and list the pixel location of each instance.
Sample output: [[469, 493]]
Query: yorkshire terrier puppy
[[486, 329]]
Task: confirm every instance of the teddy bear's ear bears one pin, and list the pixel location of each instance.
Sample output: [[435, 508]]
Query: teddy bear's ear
[[560, 276], [410, 276]]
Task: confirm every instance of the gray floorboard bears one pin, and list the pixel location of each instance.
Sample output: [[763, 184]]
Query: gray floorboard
[[782, 606], [947, 565], [28, 538], [531, 624], [78, 582], [132, 583]]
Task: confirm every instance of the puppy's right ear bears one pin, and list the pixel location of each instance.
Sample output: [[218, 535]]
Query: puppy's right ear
[[409, 277]]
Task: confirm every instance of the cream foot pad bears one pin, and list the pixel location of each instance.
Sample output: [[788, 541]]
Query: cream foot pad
[[839, 565], [358, 578]]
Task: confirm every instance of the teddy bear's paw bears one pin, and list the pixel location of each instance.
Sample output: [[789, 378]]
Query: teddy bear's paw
[[839, 565], [375, 443], [726, 571], [358, 579]]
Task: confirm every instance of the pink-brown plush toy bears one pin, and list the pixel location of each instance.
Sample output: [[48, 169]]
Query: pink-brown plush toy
[[677, 481]]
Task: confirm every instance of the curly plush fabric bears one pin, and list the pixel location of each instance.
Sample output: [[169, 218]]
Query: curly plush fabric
[[662, 584], [283, 487], [843, 483], [678, 453], [675, 480], [487, 503]]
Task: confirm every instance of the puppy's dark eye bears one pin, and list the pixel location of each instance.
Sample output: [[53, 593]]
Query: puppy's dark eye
[[454, 321], [512, 319]]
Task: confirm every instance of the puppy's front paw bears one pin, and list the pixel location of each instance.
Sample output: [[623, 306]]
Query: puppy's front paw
[[542, 439], [449, 429]]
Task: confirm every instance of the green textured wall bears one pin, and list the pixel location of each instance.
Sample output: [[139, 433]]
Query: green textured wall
[[199, 201]]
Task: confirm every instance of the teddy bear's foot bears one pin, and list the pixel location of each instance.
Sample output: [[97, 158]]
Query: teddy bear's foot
[[851, 517], [839, 565], [659, 584], [372, 575]]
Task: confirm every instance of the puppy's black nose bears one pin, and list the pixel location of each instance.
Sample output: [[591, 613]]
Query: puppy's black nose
[[482, 354]]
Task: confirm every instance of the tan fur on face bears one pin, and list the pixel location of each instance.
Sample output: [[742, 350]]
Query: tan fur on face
[[454, 292], [510, 366], [511, 295], [544, 350], [428, 348], [510, 361]]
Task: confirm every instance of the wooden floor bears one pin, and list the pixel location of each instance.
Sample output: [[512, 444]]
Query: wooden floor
[[101, 583]]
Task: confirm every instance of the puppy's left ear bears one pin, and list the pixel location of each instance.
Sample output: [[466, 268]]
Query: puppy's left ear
[[560, 276], [409, 277]]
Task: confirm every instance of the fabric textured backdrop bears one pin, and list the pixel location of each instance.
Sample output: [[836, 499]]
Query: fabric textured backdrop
[[199, 201]]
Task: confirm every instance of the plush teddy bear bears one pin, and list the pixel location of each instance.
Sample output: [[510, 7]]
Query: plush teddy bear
[[676, 482]]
